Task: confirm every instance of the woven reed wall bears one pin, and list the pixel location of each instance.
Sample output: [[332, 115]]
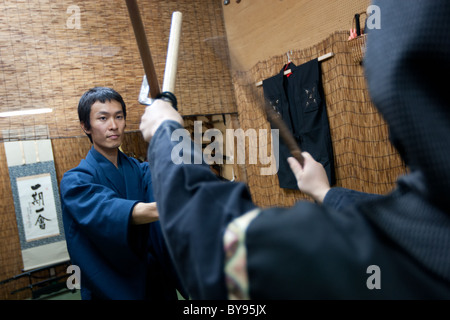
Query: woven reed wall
[[46, 61], [10, 256], [365, 159]]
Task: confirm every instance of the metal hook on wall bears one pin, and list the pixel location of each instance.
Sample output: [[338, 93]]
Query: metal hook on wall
[[289, 55]]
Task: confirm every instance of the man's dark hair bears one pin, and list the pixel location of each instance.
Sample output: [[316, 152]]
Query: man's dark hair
[[93, 95]]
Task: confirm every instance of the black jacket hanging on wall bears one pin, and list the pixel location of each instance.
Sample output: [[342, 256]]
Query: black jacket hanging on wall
[[298, 98]]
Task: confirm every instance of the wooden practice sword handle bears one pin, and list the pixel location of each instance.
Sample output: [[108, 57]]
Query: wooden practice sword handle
[[172, 53]]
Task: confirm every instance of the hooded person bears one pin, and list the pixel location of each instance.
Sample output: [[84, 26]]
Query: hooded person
[[347, 245]]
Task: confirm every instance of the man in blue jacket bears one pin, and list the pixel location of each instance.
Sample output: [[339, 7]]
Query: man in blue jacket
[[110, 218]]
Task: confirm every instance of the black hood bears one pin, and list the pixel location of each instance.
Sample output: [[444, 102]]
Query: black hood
[[407, 64]]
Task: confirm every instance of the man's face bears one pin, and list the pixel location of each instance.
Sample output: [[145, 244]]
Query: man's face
[[107, 125]]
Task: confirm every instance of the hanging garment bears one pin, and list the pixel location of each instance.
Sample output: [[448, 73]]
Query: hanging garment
[[298, 98]]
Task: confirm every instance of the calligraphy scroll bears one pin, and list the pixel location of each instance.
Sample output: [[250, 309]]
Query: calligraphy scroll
[[37, 204]]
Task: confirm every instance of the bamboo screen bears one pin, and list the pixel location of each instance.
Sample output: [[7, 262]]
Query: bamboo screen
[[49, 58], [364, 157]]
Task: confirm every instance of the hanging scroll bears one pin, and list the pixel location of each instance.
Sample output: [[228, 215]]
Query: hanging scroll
[[36, 202]]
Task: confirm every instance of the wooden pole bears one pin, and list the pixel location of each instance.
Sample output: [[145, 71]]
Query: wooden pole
[[144, 50]]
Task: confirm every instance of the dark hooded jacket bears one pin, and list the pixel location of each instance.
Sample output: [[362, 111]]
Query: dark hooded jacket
[[395, 246]]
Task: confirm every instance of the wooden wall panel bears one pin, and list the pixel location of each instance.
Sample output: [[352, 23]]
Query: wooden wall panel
[[257, 30], [10, 254]]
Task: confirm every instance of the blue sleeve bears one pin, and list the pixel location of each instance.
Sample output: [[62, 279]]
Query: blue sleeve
[[147, 181], [339, 198], [95, 209], [194, 208]]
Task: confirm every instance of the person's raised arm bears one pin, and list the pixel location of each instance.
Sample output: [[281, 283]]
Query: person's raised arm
[[312, 178], [194, 205]]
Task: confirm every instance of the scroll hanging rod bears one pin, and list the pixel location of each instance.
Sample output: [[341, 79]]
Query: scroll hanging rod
[[321, 58]]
